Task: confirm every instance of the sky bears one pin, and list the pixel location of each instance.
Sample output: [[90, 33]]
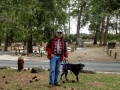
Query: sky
[[73, 27], [82, 30]]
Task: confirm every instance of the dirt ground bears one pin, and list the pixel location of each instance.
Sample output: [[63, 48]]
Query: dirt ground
[[88, 52]]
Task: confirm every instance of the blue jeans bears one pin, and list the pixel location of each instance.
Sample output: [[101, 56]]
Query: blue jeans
[[55, 63]]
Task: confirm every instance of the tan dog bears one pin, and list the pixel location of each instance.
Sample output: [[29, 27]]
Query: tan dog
[[20, 63]]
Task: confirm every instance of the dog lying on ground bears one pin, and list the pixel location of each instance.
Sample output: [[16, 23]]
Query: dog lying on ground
[[20, 63], [75, 68]]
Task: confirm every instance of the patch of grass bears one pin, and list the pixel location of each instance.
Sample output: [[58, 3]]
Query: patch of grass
[[11, 79]]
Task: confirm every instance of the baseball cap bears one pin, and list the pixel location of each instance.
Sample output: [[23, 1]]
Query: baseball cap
[[59, 31]]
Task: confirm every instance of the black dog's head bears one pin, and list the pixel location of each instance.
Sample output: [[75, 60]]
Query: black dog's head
[[81, 66]]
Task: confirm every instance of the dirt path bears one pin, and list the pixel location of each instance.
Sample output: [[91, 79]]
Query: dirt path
[[89, 53]]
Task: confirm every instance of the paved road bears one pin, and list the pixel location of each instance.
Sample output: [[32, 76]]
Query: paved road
[[7, 52], [103, 66], [93, 66]]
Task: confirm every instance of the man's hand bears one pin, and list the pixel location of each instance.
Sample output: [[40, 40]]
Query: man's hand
[[52, 55], [66, 58]]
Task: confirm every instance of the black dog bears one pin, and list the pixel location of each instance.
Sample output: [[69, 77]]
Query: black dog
[[75, 68]]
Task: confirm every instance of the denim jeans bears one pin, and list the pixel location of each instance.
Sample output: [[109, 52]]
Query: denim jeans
[[55, 63]]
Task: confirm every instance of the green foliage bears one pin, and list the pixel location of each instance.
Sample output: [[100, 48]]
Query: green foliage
[[86, 36], [118, 39], [22, 16], [69, 37], [111, 37]]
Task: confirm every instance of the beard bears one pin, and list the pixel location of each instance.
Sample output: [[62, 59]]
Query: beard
[[59, 36]]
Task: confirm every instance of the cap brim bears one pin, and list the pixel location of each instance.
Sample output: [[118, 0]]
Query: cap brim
[[59, 31]]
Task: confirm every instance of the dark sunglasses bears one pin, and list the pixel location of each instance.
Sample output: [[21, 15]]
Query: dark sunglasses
[[59, 32]]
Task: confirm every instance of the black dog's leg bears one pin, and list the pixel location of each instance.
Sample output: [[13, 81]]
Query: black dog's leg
[[77, 78], [62, 75], [66, 75]]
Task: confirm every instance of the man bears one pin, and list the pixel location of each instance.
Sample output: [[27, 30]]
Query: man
[[57, 52]]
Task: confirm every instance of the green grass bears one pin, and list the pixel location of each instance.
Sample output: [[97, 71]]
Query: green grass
[[11, 79]]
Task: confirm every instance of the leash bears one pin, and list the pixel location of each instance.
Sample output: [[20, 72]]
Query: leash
[[68, 65], [64, 62]]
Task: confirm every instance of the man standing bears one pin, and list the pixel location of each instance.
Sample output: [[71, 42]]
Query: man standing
[[57, 52]]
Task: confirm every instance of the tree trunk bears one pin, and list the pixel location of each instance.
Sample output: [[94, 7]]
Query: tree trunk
[[116, 27], [6, 42], [79, 19], [78, 24], [66, 35], [102, 31], [24, 43], [29, 45], [69, 20], [0, 41], [106, 31], [119, 26], [96, 33], [95, 38]]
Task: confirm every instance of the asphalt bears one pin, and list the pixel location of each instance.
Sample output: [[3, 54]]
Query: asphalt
[[107, 67]]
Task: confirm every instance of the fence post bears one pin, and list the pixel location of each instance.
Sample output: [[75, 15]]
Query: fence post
[[107, 50], [11, 47], [16, 52], [75, 47], [41, 53], [27, 54], [115, 55], [110, 52], [72, 49], [39, 50]]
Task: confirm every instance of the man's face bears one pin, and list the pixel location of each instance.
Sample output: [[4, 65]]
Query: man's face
[[59, 34]]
